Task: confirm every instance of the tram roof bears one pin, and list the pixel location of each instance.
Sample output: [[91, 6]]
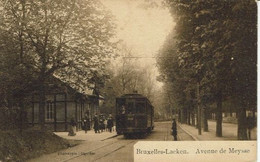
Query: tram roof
[[133, 95]]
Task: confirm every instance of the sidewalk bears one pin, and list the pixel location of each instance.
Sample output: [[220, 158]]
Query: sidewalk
[[91, 141], [89, 136], [229, 132]]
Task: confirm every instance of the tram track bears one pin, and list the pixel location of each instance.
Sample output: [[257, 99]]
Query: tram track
[[182, 134], [111, 152], [117, 146]]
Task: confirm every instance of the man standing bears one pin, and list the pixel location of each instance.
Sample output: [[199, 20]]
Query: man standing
[[174, 130], [110, 123], [96, 124]]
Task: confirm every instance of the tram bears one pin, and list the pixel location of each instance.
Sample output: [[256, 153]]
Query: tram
[[134, 115]]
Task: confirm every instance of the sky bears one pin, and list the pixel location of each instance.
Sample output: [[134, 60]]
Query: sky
[[141, 29]]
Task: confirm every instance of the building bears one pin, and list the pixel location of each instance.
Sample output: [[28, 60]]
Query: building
[[62, 104]]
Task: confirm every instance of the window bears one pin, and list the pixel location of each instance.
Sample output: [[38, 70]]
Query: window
[[120, 102], [130, 108], [140, 107], [49, 111], [60, 111]]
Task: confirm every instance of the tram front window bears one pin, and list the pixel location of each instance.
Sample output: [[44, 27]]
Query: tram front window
[[125, 108], [121, 108], [140, 107], [130, 108]]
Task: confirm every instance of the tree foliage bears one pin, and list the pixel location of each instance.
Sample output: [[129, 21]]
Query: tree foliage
[[214, 47], [127, 76], [66, 39]]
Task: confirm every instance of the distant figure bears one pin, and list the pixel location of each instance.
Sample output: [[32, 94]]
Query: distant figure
[[174, 130], [85, 124], [96, 124], [72, 127], [123, 116], [110, 123], [86, 117], [123, 110], [101, 123], [105, 123]]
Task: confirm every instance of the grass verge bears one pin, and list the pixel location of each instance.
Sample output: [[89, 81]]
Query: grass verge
[[20, 146]]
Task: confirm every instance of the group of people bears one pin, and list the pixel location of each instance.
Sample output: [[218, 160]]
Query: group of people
[[102, 124]]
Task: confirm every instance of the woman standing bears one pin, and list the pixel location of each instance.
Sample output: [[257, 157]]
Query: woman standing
[[72, 128]]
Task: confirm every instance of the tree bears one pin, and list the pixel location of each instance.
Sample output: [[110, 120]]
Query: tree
[[68, 39], [15, 81], [126, 75], [210, 35], [243, 42]]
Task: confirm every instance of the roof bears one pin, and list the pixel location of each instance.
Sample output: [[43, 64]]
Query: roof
[[55, 82], [134, 95]]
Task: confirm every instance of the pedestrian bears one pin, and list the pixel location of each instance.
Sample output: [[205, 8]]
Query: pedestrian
[[96, 124], [101, 123], [123, 111], [105, 123], [72, 127], [123, 117], [110, 123], [174, 130], [84, 124]]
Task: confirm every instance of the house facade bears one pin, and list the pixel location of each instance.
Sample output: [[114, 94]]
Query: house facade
[[61, 105]]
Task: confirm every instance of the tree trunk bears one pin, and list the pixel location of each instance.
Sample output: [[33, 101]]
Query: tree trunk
[[179, 116], [42, 104], [205, 120], [242, 123], [184, 116], [230, 112], [219, 114], [198, 109], [193, 119], [197, 120], [189, 117], [21, 116], [253, 113]]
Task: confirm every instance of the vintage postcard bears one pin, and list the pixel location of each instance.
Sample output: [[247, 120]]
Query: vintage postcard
[[128, 80]]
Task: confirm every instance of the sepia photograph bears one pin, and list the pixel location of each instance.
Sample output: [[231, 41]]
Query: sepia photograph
[[128, 80]]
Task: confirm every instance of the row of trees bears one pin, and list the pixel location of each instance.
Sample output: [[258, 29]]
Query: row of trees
[[68, 39], [210, 57], [127, 75]]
